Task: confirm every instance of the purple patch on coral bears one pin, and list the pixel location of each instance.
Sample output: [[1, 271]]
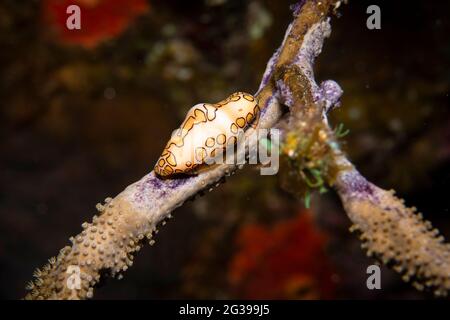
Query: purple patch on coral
[[160, 187], [331, 92], [151, 182], [355, 183], [285, 93], [177, 182]]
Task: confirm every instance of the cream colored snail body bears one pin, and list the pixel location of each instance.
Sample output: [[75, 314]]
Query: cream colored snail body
[[207, 130]]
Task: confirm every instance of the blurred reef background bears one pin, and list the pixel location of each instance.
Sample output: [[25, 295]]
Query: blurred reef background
[[83, 114]]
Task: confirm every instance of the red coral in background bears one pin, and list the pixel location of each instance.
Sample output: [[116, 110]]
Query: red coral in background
[[100, 19], [283, 262]]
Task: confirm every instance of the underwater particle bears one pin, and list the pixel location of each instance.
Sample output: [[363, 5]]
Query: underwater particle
[[109, 93], [184, 74], [169, 30], [354, 113]]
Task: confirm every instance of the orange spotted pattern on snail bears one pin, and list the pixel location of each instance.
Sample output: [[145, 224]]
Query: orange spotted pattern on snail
[[206, 130]]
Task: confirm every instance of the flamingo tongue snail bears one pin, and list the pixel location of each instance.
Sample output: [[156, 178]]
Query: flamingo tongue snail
[[205, 132]]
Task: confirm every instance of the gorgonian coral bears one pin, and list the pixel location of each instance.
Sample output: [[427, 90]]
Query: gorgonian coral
[[389, 230]]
